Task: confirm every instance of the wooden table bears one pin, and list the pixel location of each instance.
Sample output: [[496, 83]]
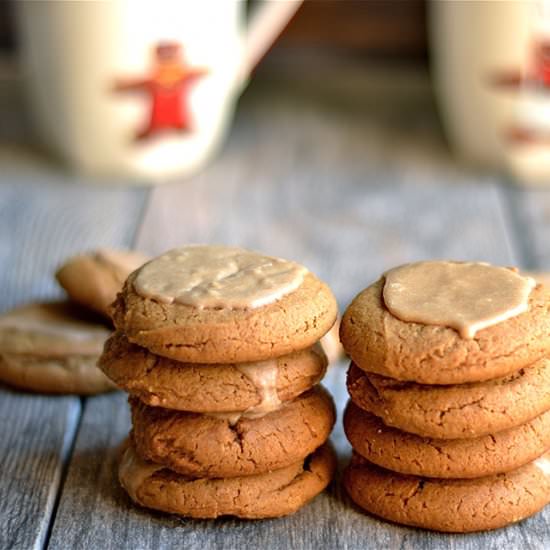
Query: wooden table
[[348, 175]]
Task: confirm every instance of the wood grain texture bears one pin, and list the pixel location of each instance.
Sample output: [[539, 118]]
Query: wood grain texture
[[528, 210], [44, 220], [36, 437]]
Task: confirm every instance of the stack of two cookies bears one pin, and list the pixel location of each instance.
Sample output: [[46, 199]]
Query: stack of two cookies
[[450, 390], [217, 348]]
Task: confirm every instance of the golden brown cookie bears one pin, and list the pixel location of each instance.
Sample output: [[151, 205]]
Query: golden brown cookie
[[52, 348], [93, 279], [190, 334], [273, 494], [445, 458], [379, 342], [171, 384], [452, 505], [201, 445], [456, 411]]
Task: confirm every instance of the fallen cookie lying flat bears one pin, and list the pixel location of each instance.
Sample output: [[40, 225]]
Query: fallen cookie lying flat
[[52, 348]]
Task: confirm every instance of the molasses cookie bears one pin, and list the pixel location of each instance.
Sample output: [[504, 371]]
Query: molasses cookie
[[234, 444], [445, 458], [448, 323], [452, 505], [214, 304], [94, 279], [272, 494], [163, 382], [52, 348], [456, 411]]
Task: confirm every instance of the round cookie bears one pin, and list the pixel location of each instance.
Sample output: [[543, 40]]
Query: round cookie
[[188, 332], [171, 384], [94, 279], [428, 354], [455, 505], [445, 458], [233, 445], [273, 494], [52, 348], [456, 411]]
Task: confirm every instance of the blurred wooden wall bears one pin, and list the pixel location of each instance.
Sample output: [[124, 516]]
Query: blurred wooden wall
[[379, 28]]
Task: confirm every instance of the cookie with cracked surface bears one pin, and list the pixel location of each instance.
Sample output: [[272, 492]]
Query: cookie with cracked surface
[[272, 494], [162, 382], [455, 411], [52, 347], [381, 343], [93, 279], [231, 445], [223, 309], [445, 458], [451, 505]]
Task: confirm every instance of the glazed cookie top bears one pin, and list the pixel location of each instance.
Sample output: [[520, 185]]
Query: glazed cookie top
[[217, 277], [466, 296], [211, 304], [471, 322], [50, 329]]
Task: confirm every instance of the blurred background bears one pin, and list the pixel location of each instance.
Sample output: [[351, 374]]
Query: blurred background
[[350, 135]]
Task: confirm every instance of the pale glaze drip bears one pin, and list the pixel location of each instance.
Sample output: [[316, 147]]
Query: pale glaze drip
[[135, 471], [263, 376], [465, 296], [217, 277], [543, 464]]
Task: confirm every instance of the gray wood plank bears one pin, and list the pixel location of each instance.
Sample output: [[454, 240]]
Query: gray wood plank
[[348, 187], [45, 218], [36, 434], [528, 212]]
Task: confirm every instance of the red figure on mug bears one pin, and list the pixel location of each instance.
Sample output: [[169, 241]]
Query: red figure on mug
[[536, 80], [168, 89]]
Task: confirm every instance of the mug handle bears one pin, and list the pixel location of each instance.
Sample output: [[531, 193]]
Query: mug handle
[[265, 25]]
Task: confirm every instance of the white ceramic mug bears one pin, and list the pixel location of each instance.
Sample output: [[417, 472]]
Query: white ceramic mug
[[489, 69], [140, 88]]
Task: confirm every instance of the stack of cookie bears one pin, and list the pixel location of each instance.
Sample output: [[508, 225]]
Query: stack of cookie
[[450, 396], [218, 350]]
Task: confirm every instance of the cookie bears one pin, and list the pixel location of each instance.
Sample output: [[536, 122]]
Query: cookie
[[52, 348], [381, 343], [456, 411], [273, 494], [230, 445], [171, 384], [455, 505], [93, 279], [445, 458], [223, 305]]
